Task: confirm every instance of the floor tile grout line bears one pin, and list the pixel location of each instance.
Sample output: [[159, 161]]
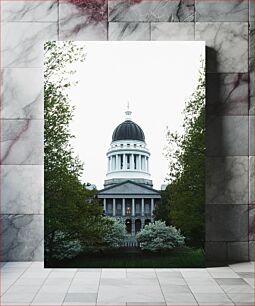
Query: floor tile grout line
[[69, 286], [155, 271], [40, 286], [101, 270], [224, 290], [189, 287], [15, 280]]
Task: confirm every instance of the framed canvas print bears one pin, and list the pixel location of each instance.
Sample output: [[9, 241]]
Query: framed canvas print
[[124, 143]]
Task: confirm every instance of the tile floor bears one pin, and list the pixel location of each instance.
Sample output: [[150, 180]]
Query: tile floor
[[28, 283]]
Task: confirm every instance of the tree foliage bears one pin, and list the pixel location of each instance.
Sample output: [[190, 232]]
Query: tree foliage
[[158, 236], [114, 234], [71, 211], [183, 201]]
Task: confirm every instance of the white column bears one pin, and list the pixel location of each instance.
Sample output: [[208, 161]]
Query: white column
[[114, 207], [117, 162], [108, 164], [142, 207], [152, 206], [132, 162], [133, 207], [148, 169], [140, 162], [124, 162], [123, 207], [105, 205]]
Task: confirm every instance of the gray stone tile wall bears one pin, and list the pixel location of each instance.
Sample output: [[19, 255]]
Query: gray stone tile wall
[[228, 31]]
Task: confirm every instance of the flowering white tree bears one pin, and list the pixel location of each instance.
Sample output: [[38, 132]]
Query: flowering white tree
[[115, 234], [158, 236]]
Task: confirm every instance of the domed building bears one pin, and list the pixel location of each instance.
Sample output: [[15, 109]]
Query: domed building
[[128, 192]]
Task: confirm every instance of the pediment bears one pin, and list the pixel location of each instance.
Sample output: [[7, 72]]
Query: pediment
[[128, 188]]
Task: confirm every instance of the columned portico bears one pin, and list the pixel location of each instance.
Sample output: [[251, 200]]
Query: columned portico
[[123, 207], [142, 207], [133, 207], [114, 205], [114, 208]]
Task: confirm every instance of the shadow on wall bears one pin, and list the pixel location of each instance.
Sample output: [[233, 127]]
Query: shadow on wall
[[215, 253], [226, 218]]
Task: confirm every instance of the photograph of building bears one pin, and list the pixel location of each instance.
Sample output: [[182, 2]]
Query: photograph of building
[[119, 179]]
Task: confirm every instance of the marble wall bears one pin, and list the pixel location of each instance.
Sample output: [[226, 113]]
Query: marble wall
[[226, 26]]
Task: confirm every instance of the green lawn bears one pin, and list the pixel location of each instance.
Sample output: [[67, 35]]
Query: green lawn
[[181, 258]]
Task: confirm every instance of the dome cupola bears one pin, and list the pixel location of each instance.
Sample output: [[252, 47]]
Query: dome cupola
[[128, 155], [128, 130]]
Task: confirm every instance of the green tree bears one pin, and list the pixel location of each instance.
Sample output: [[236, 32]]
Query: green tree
[[183, 201], [71, 211]]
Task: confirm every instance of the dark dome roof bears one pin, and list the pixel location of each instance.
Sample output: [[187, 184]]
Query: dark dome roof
[[128, 130]]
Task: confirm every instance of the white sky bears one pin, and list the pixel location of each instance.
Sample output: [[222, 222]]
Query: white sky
[[155, 77]]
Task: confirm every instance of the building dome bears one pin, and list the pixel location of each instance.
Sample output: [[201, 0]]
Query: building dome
[[128, 130]]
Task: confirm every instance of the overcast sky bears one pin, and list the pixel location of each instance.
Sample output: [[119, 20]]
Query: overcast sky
[[155, 77]]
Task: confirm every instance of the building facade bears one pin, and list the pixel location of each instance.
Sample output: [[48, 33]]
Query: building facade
[[128, 192]]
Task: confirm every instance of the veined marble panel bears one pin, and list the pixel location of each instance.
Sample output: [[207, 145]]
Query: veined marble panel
[[251, 250], [251, 10], [251, 180], [172, 31], [238, 251], [251, 135], [22, 237], [227, 45], [251, 222], [216, 251], [129, 31], [227, 94], [22, 93], [234, 10], [76, 24], [153, 10], [23, 43], [227, 135], [227, 223], [22, 142], [251, 68], [227, 180], [251, 93], [22, 189], [23, 10]]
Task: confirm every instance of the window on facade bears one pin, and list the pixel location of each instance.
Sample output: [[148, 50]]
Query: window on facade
[[135, 161], [128, 161], [128, 145], [138, 208], [109, 206], [121, 161], [147, 208]]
